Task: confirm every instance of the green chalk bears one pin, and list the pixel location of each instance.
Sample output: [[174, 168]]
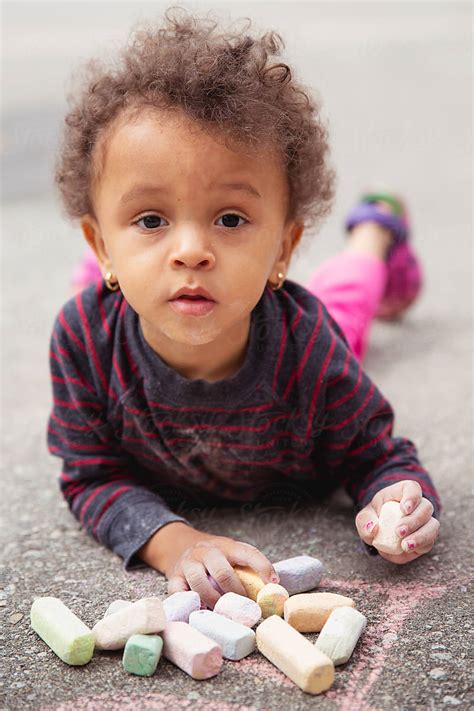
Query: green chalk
[[142, 653], [62, 630]]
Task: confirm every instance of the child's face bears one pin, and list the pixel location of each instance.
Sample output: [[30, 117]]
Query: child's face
[[186, 226]]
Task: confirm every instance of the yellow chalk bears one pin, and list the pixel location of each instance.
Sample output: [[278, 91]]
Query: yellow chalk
[[271, 599], [252, 582]]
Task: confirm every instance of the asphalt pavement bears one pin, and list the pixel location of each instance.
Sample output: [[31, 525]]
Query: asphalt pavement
[[395, 79]]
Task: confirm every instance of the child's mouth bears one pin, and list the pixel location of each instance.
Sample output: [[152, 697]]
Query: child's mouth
[[192, 305]]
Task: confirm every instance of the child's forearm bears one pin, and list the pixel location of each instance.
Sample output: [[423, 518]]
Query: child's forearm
[[168, 543]]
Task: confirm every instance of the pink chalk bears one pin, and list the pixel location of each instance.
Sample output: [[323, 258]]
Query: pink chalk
[[191, 651], [238, 608]]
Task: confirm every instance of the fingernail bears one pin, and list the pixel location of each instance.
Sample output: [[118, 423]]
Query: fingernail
[[410, 545], [369, 526], [408, 507], [274, 579], [402, 531]]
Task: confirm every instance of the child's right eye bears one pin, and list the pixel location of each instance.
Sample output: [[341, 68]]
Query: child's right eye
[[150, 221]]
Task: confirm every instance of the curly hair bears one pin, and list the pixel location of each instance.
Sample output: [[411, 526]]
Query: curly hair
[[223, 81]]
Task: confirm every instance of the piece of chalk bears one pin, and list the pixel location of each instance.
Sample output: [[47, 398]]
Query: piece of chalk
[[238, 608], [191, 651], [340, 634], [141, 654], [271, 599], [235, 640], [299, 574], [386, 538], [62, 630], [308, 612], [179, 605], [117, 605], [294, 655], [252, 582], [145, 616]]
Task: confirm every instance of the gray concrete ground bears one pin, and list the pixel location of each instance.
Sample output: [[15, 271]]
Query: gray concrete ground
[[395, 80]]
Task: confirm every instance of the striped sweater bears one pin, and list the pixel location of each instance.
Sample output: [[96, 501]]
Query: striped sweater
[[139, 441]]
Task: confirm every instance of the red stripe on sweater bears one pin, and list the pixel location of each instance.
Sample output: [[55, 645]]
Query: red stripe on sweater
[[72, 445], [107, 505], [296, 374], [96, 492], [319, 382], [70, 332], [95, 359], [281, 350], [103, 316], [356, 413], [348, 396]]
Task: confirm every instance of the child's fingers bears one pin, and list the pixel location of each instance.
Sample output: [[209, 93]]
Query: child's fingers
[[366, 523], [222, 572], [196, 575], [411, 496], [401, 559], [245, 554], [177, 583], [423, 538], [420, 516]]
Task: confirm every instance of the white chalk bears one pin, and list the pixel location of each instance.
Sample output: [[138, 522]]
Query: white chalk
[[117, 605], [238, 608], [299, 574], [191, 651], [294, 655], [271, 599], [142, 617], [340, 634], [308, 612], [69, 638], [235, 640], [386, 538], [179, 605]]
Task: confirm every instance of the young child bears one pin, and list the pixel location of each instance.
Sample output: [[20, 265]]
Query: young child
[[191, 371]]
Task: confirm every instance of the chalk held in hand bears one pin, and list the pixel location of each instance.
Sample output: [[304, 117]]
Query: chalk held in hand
[[308, 612], [294, 655], [179, 605], [238, 608], [386, 539], [271, 599], [341, 633], [69, 638], [235, 640], [191, 651], [141, 654], [252, 582], [142, 617], [299, 574]]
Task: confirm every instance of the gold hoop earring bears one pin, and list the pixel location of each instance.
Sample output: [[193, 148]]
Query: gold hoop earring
[[111, 281], [281, 279]]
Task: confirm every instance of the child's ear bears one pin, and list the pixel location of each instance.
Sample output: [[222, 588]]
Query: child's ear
[[296, 232], [93, 236]]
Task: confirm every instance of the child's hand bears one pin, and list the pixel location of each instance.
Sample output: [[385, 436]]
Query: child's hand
[[216, 555], [417, 528]]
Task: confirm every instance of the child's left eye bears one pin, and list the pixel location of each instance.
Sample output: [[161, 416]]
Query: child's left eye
[[233, 217]]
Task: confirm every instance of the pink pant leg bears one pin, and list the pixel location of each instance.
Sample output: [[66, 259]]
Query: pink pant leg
[[351, 285]]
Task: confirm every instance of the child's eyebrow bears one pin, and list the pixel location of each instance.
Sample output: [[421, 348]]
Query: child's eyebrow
[[140, 190]]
